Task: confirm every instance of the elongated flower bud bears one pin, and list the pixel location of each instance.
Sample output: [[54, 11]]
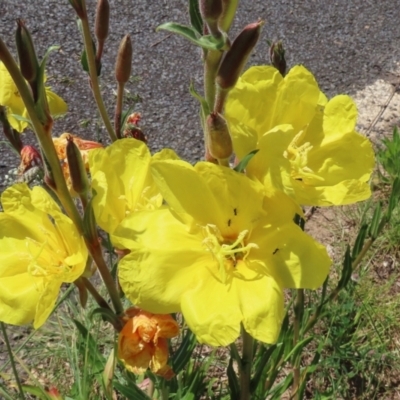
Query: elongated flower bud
[[124, 60], [102, 20], [77, 171], [28, 61], [210, 11], [277, 57], [236, 57], [219, 140]]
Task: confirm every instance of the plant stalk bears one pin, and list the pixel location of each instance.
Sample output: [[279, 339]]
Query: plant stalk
[[298, 318], [96, 253], [43, 136], [118, 109], [14, 368], [245, 365], [87, 38]]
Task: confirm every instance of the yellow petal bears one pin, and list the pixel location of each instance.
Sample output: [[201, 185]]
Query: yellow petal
[[119, 174], [159, 268], [19, 295], [293, 258], [57, 105], [46, 302], [188, 195]]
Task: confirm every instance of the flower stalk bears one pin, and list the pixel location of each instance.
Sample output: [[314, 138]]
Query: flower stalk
[[43, 136], [245, 365], [298, 318], [87, 38]]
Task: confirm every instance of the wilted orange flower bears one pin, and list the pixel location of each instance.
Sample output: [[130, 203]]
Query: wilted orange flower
[[84, 146], [143, 344], [30, 158]]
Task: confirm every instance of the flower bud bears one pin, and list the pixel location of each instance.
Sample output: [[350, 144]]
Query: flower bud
[[277, 57], [102, 20], [28, 61], [210, 11], [236, 57], [77, 171], [219, 140], [124, 60], [101, 29]]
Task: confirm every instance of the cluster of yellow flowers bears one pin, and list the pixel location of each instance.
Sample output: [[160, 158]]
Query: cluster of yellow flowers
[[217, 245]]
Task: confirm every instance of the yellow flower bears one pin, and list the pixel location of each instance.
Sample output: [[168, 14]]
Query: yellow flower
[[221, 254], [10, 98], [40, 249], [143, 344], [122, 181], [308, 146]]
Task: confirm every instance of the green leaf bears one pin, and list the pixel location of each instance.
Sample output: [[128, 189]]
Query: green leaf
[[245, 160], [233, 382], [85, 63], [131, 392], [358, 245], [88, 348], [298, 348], [183, 354], [195, 16], [205, 42], [373, 229], [346, 270]]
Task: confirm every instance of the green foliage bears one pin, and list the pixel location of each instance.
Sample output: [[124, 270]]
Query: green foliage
[[389, 156]]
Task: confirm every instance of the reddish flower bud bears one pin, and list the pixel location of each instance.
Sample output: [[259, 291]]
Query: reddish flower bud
[[124, 60], [77, 171], [101, 26], [210, 11], [102, 20], [28, 61], [236, 57]]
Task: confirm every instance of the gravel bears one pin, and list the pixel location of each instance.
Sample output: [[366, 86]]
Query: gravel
[[351, 47]]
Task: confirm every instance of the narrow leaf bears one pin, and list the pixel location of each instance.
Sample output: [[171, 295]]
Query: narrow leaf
[[373, 229], [245, 160], [195, 16], [233, 382], [205, 42]]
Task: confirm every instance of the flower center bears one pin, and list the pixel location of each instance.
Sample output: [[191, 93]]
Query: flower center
[[297, 154], [45, 261], [226, 252]]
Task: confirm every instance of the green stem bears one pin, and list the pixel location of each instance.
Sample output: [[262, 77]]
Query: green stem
[[13, 366], [43, 136], [95, 294], [211, 65], [96, 253], [118, 109], [245, 365], [87, 38], [298, 318]]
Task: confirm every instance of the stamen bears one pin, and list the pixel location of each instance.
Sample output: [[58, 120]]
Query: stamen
[[224, 252]]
